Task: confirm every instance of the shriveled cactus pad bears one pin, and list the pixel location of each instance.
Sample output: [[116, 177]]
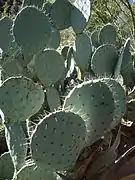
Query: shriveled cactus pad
[[20, 98], [58, 139]]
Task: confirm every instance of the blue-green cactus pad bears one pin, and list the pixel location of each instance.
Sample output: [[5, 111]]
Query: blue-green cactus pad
[[31, 30], [31, 172], [17, 144], [20, 98], [6, 167], [108, 34], [104, 60], [60, 14], [58, 139], [93, 101], [49, 66], [6, 37], [82, 51], [80, 15], [53, 98]]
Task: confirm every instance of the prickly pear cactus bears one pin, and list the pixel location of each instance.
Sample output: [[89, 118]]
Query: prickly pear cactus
[[56, 100], [60, 14], [53, 99], [57, 140], [108, 35], [93, 101], [82, 51], [20, 98], [104, 60], [31, 30], [47, 73], [80, 15]]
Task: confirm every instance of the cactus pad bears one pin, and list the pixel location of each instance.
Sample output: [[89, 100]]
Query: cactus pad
[[108, 34], [20, 98], [53, 98], [104, 60], [31, 30], [80, 15], [58, 139], [93, 101], [49, 66], [82, 51], [60, 14]]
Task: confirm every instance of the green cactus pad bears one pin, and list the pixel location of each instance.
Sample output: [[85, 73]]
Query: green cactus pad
[[94, 38], [119, 96], [5, 33], [31, 172], [6, 167], [60, 14], [49, 66], [108, 34], [53, 98], [104, 60], [80, 15], [58, 139], [20, 98], [17, 144], [38, 3], [94, 102], [82, 51], [54, 41], [31, 30]]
